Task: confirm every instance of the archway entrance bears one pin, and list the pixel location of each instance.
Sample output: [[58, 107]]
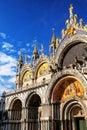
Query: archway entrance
[[33, 112], [67, 113], [73, 116], [16, 114]]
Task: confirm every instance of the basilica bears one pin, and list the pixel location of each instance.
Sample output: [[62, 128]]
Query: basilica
[[51, 91]]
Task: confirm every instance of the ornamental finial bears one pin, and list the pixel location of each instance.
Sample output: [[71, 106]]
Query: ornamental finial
[[75, 19], [80, 23], [71, 13]]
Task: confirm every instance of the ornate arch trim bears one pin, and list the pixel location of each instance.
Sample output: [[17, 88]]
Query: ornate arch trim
[[64, 74]]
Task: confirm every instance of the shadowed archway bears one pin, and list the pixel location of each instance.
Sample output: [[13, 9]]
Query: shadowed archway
[[34, 112], [16, 115]]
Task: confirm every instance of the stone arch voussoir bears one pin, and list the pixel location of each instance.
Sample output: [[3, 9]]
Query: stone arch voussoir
[[64, 73]]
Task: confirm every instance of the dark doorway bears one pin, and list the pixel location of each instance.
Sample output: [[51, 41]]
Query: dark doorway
[[16, 114], [33, 112], [80, 124]]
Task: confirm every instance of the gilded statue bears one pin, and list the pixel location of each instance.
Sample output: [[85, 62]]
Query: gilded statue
[[80, 23]]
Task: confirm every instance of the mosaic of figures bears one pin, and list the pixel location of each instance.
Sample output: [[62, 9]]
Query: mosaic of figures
[[27, 76], [68, 88], [43, 69]]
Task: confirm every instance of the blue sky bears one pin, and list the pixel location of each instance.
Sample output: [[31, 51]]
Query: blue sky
[[24, 22]]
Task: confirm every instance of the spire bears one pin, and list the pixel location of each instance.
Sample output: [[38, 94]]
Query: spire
[[20, 62], [71, 13], [42, 49], [20, 58], [53, 43], [35, 54], [26, 58], [53, 40]]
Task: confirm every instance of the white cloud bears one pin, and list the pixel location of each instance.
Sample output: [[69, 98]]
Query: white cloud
[[6, 85], [4, 58], [7, 46], [5, 88], [1, 79], [12, 50], [27, 44], [12, 80], [7, 65], [29, 56], [2, 35], [7, 72]]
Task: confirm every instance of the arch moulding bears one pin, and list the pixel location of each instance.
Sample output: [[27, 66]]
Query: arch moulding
[[65, 44], [64, 74]]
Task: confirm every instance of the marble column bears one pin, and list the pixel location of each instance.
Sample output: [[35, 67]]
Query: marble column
[[46, 117], [23, 119]]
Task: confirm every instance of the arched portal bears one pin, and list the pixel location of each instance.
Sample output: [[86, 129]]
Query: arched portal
[[16, 115], [73, 117], [70, 116], [34, 114]]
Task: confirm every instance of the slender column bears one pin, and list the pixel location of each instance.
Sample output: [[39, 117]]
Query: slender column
[[70, 123], [61, 125], [73, 124], [52, 117], [23, 119], [26, 118], [8, 126]]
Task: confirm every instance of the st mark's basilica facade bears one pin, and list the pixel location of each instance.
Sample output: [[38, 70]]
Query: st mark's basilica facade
[[51, 92]]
